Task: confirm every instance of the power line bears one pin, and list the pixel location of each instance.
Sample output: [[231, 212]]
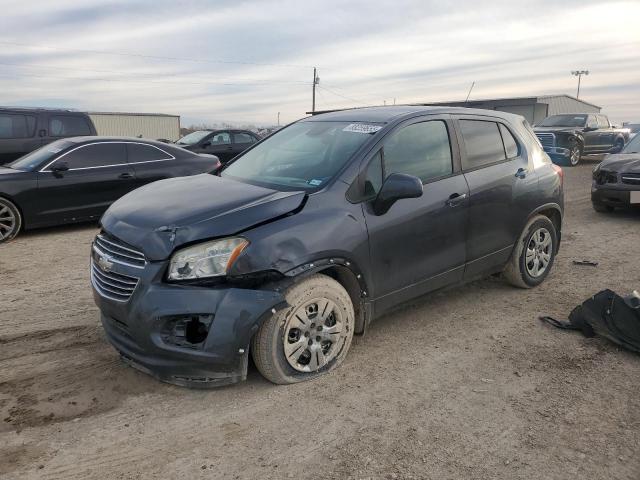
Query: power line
[[340, 95], [137, 74], [156, 57]]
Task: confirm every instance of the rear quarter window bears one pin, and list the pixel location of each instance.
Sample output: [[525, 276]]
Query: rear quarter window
[[68, 126]]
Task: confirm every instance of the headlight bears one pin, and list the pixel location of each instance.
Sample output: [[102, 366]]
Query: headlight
[[208, 259]]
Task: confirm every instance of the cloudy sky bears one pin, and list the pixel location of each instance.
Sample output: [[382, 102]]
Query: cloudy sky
[[245, 61]]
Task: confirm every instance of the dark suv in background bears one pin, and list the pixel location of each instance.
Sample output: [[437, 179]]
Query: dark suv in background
[[303, 239], [23, 130]]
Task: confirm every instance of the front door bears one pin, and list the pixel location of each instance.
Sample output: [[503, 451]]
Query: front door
[[97, 175], [591, 135], [419, 244]]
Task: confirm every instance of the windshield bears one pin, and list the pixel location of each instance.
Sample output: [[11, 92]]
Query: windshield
[[32, 160], [193, 137], [633, 146], [304, 155], [564, 121]]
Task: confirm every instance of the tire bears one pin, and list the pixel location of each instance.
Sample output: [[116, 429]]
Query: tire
[[520, 270], [305, 340], [574, 155], [598, 207], [10, 220]]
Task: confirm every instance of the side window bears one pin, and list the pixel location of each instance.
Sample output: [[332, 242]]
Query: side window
[[592, 122], [373, 178], [138, 152], [221, 138], [95, 155], [421, 149], [483, 143], [68, 126], [602, 121], [510, 144], [243, 138], [17, 126]]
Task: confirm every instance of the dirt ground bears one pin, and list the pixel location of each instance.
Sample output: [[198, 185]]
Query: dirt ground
[[465, 383]]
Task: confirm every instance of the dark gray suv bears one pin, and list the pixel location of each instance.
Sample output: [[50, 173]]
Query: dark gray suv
[[297, 244]]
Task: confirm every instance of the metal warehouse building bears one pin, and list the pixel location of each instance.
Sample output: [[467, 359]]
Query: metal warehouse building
[[534, 109], [146, 125]]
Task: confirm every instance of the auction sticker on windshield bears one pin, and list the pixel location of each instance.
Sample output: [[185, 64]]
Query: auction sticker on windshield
[[361, 128]]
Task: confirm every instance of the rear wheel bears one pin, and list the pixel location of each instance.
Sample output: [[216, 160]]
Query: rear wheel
[[10, 220], [618, 146], [534, 254], [310, 337]]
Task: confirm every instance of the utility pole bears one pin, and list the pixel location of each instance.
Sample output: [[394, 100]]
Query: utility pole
[[316, 81], [579, 73]]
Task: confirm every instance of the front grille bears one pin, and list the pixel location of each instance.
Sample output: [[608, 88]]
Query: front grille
[[114, 286], [118, 251], [631, 178], [546, 139]]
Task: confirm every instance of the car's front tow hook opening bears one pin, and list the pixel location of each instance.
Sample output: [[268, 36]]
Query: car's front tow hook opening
[[187, 331]]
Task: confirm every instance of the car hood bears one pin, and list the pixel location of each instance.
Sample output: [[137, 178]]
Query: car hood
[[163, 215], [622, 163], [558, 129], [8, 171]]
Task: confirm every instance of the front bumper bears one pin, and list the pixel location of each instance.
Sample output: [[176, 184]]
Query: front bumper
[[557, 152], [613, 195], [146, 328]]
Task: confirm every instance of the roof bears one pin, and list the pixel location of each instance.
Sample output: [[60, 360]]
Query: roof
[[135, 114], [385, 114], [506, 99], [99, 138]]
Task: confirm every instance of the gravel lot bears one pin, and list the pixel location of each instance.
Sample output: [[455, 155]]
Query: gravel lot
[[465, 383]]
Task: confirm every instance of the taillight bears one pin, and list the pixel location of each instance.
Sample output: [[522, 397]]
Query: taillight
[[560, 173]]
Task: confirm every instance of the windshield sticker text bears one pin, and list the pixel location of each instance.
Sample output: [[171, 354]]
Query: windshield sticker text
[[361, 128]]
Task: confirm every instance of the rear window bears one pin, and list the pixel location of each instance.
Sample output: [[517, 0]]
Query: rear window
[[17, 126], [483, 143], [68, 126]]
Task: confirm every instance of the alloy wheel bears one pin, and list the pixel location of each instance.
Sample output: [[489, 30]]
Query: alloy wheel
[[575, 156], [538, 253], [313, 335], [8, 221]]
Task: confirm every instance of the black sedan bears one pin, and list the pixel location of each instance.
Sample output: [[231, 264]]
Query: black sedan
[[224, 144], [76, 179], [616, 181]]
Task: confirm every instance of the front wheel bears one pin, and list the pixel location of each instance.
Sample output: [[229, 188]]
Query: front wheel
[[618, 146], [308, 338], [10, 220], [533, 256], [574, 155]]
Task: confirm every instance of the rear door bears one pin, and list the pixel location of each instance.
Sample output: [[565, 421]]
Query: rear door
[[151, 163], [500, 181], [97, 175], [242, 141], [419, 244], [17, 135]]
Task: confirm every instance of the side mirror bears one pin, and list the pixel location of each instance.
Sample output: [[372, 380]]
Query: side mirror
[[394, 188], [59, 168], [206, 144]]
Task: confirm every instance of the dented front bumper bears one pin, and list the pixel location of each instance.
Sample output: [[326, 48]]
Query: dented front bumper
[[181, 334]]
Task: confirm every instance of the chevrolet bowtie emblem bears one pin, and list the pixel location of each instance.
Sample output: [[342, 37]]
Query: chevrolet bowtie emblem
[[104, 263]]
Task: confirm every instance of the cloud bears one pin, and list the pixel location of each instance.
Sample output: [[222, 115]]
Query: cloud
[[245, 61]]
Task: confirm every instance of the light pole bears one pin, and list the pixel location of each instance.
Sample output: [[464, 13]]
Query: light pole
[[579, 73], [278, 118]]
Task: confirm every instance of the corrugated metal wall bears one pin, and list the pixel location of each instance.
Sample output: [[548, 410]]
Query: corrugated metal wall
[[562, 104], [132, 125]]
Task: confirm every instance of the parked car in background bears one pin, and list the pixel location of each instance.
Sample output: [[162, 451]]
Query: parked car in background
[[616, 181], [76, 179], [224, 144], [569, 136], [23, 130], [299, 242]]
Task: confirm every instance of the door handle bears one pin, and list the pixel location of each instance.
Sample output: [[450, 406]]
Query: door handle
[[456, 199], [521, 173], [125, 176]]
